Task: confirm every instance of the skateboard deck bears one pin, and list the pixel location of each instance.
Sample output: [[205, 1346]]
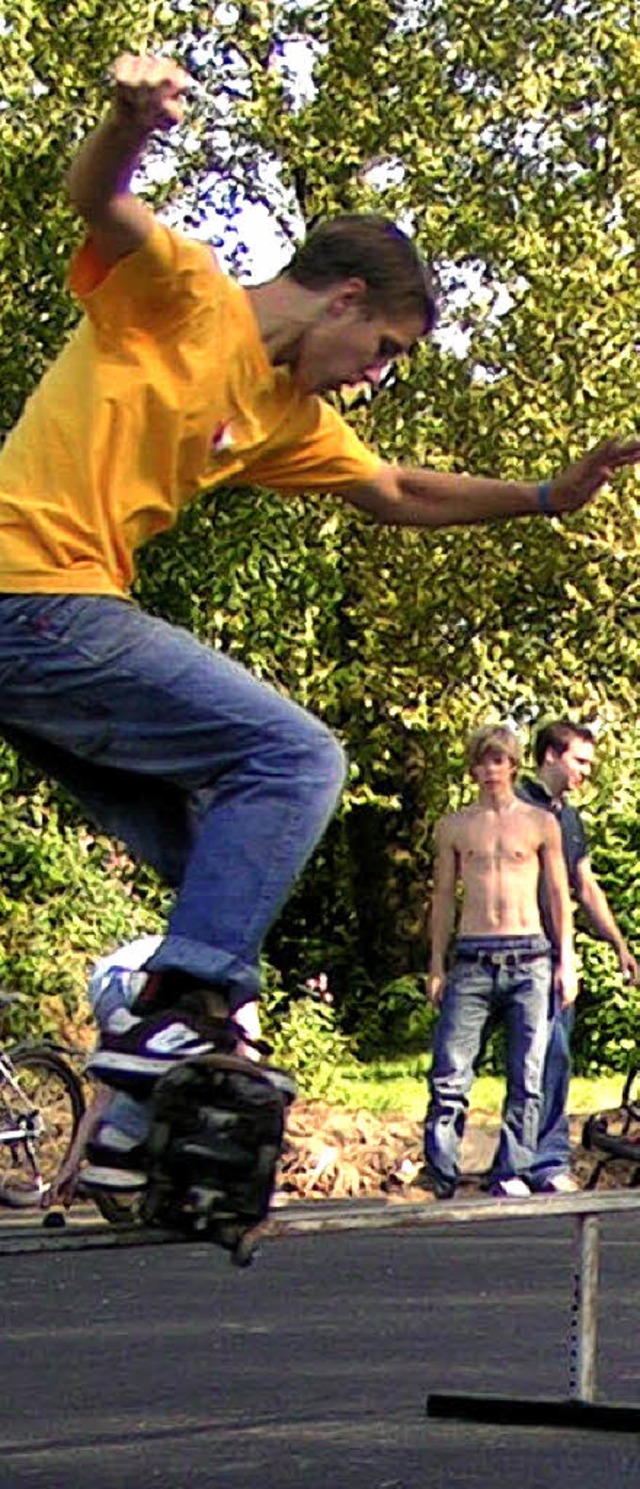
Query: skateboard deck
[[216, 1137]]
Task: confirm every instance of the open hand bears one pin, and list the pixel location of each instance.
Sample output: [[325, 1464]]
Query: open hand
[[435, 987], [64, 1186], [579, 482], [628, 966], [149, 91], [565, 985]]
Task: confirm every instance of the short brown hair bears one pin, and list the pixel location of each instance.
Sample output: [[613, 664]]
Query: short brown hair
[[557, 736], [493, 737], [372, 248]]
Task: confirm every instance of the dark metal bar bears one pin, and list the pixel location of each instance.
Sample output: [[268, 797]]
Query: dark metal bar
[[515, 1411]]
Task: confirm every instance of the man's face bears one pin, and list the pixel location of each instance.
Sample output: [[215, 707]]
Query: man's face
[[350, 344], [571, 770], [495, 771]]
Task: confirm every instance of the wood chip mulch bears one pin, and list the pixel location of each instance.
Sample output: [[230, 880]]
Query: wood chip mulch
[[339, 1154], [332, 1153]]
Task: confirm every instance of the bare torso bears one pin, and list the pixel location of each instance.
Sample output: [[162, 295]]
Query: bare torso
[[498, 859]]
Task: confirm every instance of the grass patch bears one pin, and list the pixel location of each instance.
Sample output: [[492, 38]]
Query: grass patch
[[397, 1088]]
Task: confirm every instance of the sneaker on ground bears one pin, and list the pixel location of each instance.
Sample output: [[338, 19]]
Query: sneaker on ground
[[115, 1161], [134, 1058], [440, 1186], [513, 1188], [561, 1183]]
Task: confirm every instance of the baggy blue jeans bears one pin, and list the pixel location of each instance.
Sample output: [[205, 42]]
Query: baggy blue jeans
[[204, 772], [506, 977], [553, 1154]]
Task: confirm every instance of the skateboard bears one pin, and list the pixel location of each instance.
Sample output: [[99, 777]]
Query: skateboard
[[212, 1153]]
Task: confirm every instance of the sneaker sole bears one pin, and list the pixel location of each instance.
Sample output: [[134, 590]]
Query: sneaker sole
[[95, 1176], [559, 1189], [110, 1061]]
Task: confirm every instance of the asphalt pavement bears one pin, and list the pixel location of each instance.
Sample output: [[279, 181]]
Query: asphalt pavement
[[166, 1368]]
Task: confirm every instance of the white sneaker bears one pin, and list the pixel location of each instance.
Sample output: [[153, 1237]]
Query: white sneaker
[[562, 1183], [114, 1162], [513, 1188], [132, 1058]]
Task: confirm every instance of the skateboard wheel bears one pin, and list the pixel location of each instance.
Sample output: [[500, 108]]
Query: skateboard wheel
[[244, 1251], [54, 1220]]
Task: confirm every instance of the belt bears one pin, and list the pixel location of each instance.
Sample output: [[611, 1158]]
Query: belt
[[500, 958]]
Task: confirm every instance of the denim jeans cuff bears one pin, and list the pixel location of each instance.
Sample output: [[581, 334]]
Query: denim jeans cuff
[[240, 981]]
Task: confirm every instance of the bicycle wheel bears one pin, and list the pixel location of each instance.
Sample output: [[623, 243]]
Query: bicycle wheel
[[41, 1101]]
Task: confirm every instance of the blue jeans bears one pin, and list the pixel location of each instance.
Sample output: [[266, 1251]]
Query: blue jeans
[[205, 773], [553, 1153], [491, 977]]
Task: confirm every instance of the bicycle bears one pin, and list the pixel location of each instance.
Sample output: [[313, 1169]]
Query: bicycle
[[616, 1134], [41, 1104]]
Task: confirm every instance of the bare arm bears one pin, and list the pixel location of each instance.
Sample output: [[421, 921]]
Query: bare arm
[[406, 497], [596, 906], [554, 872], [65, 1183], [443, 905], [147, 97]]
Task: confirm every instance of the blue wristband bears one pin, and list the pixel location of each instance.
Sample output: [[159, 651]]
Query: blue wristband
[[544, 499]]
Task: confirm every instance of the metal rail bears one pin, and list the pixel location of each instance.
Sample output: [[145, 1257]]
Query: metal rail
[[78, 1232]]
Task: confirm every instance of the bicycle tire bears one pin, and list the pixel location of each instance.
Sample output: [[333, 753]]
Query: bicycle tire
[[53, 1090]]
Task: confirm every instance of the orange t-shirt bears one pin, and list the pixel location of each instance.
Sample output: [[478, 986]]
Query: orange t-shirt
[[163, 390]]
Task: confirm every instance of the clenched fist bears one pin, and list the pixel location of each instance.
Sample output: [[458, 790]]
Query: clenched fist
[[149, 92]]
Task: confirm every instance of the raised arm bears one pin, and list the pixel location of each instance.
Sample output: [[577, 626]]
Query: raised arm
[[422, 498], [148, 96], [443, 906], [554, 873]]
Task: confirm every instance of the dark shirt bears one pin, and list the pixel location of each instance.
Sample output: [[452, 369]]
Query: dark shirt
[[575, 845]]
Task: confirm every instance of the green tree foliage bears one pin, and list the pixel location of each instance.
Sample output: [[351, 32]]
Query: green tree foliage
[[506, 137], [608, 1022], [66, 895], [55, 56], [509, 142]]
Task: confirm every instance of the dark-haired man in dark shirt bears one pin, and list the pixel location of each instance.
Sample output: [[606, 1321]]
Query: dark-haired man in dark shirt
[[564, 757]]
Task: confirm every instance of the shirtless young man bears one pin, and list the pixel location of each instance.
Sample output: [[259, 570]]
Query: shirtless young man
[[496, 849]]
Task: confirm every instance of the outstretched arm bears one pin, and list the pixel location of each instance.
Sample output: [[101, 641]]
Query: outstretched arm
[[596, 906], [148, 96], [423, 498]]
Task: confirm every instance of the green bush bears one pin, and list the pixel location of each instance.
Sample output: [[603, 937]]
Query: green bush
[[396, 1019], [66, 897], [304, 1034], [607, 1031]]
